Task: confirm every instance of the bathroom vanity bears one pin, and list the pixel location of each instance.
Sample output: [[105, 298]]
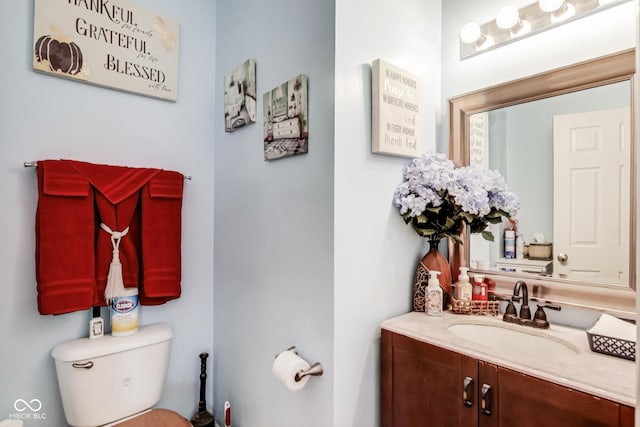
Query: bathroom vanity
[[459, 370]]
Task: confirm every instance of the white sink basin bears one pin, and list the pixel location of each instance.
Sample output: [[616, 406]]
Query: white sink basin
[[504, 339]]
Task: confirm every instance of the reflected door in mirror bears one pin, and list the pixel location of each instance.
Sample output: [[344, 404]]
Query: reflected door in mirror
[[591, 195]]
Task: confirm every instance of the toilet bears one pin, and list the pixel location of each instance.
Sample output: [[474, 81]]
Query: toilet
[[115, 381]]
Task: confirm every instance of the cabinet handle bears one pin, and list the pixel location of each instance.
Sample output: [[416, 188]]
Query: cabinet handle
[[486, 399], [466, 392]]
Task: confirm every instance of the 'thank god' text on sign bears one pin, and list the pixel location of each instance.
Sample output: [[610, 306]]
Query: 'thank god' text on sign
[[109, 43]]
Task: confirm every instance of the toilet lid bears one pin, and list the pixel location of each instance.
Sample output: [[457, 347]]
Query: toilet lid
[[157, 418]]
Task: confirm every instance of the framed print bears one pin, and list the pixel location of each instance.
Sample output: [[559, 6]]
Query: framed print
[[240, 96], [108, 43], [286, 120]]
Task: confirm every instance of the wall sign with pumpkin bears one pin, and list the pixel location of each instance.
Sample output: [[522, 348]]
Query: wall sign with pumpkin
[[60, 56], [108, 43]]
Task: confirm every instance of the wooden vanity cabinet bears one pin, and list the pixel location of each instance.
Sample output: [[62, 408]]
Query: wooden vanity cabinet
[[427, 386]]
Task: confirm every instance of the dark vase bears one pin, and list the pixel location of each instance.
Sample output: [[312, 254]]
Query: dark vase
[[433, 260]]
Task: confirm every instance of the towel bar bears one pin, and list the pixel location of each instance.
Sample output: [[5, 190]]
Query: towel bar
[[35, 164]]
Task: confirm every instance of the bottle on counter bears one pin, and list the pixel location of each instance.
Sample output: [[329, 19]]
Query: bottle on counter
[[480, 288], [510, 238], [464, 289], [433, 295]]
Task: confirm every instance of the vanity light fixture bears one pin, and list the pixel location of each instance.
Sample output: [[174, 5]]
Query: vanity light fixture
[[514, 23], [470, 34], [509, 19]]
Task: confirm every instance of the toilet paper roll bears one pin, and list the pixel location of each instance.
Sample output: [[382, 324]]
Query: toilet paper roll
[[285, 368]]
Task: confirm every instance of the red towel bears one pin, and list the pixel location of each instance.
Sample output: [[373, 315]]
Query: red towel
[[161, 207], [69, 217], [117, 193], [65, 228]]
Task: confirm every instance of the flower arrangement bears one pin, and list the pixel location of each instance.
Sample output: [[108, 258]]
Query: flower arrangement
[[437, 198]]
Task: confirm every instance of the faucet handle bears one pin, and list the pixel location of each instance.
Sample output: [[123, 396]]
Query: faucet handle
[[510, 314], [540, 319], [550, 305]]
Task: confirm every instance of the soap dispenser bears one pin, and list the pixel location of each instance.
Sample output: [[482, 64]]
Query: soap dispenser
[[433, 306], [480, 288], [464, 289]]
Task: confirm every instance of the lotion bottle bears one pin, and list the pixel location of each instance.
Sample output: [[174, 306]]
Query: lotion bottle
[[463, 287], [433, 295]]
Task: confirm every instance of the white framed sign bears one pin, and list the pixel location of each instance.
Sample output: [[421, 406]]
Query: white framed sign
[[111, 43], [395, 111]]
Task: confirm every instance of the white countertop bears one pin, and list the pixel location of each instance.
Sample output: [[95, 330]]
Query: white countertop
[[601, 375]]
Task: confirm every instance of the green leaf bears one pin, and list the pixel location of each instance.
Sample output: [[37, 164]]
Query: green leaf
[[487, 235], [407, 218], [467, 217], [450, 223], [494, 220], [421, 219], [433, 209]]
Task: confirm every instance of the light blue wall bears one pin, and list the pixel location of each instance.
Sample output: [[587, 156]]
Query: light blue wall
[[375, 252], [48, 117], [308, 250], [274, 220]]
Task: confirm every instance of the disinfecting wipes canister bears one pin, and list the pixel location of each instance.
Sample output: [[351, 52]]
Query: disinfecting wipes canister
[[124, 313]]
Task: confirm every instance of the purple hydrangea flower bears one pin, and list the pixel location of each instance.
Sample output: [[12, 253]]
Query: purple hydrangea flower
[[436, 197]]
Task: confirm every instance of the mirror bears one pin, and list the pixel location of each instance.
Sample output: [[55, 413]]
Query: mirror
[[578, 252]]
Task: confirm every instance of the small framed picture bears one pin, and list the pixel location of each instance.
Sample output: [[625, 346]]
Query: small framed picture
[[240, 96], [285, 119]]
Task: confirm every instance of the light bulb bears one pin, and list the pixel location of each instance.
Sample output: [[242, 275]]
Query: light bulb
[[470, 32], [507, 17], [550, 5]]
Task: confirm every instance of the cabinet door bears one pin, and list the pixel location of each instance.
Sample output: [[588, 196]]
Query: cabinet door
[[627, 416], [525, 401], [426, 386]]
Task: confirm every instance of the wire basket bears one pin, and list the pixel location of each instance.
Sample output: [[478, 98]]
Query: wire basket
[[612, 346], [475, 307]]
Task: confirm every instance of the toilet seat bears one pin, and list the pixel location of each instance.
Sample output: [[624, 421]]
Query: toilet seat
[[157, 418]]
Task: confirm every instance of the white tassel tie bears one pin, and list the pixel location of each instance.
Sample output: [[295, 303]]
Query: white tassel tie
[[115, 284]]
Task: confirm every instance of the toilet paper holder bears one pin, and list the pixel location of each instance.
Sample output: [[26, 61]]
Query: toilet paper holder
[[314, 370]]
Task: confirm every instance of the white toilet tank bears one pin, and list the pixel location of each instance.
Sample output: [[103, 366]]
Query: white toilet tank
[[105, 379]]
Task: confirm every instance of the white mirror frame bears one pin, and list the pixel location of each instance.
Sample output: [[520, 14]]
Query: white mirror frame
[[620, 301]]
